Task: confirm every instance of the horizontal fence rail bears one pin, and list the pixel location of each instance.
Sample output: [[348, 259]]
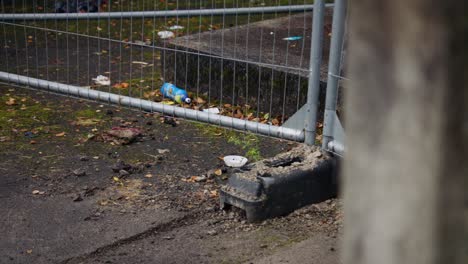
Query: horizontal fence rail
[[164, 13], [80, 92]]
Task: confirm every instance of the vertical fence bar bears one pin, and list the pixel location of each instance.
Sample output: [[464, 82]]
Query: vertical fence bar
[[314, 73], [334, 68]]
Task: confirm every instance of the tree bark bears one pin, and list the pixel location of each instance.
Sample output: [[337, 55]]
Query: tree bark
[[405, 173]]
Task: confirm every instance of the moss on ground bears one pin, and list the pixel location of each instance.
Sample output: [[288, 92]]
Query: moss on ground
[[249, 142]]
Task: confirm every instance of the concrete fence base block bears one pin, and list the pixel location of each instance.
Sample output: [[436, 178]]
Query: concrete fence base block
[[278, 186]]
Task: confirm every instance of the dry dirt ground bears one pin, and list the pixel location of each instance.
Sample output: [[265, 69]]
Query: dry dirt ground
[[71, 195]]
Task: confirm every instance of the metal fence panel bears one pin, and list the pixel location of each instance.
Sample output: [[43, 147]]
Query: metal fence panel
[[249, 65]]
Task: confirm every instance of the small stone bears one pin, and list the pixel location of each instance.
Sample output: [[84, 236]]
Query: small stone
[[163, 151], [123, 173], [317, 154], [77, 198], [36, 192], [212, 232], [200, 178], [79, 172], [120, 165]]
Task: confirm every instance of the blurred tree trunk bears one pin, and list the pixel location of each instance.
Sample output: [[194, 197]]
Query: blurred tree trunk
[[405, 174]]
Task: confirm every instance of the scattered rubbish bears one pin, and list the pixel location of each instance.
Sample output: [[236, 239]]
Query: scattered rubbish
[[102, 80], [174, 93], [79, 172], [213, 110], [176, 27], [37, 192], [120, 135], [163, 151], [293, 38], [235, 161], [166, 34], [140, 62]]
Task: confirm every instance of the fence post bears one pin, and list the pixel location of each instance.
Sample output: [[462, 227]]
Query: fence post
[[334, 70], [314, 73]]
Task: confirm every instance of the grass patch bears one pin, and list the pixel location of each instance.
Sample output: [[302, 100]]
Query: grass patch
[[249, 142], [89, 113], [23, 114]]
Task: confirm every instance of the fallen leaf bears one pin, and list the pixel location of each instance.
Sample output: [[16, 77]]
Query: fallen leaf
[[167, 102], [116, 179], [123, 85], [11, 101], [199, 100], [213, 194], [61, 134], [218, 172], [29, 251], [32, 142]]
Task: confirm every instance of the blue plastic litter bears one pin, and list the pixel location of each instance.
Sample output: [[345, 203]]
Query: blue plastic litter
[[175, 93], [293, 38]]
